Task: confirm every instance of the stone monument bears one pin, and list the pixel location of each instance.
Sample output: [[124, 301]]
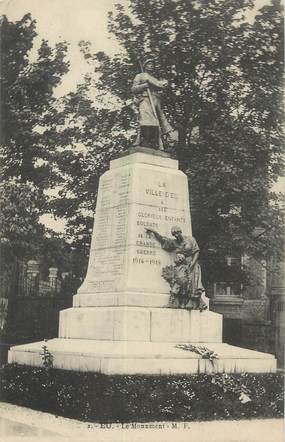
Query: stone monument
[[122, 320]]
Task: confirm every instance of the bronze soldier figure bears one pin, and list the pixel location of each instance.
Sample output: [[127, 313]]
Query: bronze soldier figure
[[154, 128]]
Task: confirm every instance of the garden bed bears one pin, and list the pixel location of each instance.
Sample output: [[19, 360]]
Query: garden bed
[[97, 397]]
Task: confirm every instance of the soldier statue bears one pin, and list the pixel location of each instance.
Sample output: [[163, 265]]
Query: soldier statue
[[154, 130]]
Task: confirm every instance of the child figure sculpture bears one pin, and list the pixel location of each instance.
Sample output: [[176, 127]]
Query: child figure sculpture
[[184, 277]]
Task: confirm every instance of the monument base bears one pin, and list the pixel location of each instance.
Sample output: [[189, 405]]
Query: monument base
[[141, 358], [140, 324], [140, 340]]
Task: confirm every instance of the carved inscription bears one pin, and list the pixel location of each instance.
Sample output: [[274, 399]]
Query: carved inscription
[[111, 221], [161, 193], [156, 213], [120, 221]]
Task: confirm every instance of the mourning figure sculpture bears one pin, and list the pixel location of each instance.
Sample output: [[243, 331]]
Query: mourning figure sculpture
[[184, 276]]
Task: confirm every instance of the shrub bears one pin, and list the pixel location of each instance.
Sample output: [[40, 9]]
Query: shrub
[[100, 398]]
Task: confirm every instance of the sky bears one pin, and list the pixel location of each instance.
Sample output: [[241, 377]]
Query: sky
[[72, 21]]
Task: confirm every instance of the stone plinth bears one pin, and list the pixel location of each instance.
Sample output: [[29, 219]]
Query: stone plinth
[[140, 324], [121, 322], [125, 264]]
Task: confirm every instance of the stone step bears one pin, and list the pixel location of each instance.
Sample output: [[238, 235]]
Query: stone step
[[121, 357], [140, 324]]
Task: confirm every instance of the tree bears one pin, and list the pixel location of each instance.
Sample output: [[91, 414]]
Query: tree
[[29, 137], [28, 108], [20, 229], [224, 95]]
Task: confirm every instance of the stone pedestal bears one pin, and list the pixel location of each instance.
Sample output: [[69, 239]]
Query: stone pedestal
[[140, 324], [139, 191], [121, 321]]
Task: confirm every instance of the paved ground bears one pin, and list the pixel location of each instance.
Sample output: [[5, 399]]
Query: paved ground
[[22, 424]]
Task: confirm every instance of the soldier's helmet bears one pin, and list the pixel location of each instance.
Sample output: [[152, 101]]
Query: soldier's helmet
[[148, 61]]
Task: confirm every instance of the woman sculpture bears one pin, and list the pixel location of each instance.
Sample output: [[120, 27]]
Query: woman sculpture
[[184, 277]]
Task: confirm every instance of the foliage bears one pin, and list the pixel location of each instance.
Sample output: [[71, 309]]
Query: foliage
[[29, 114], [224, 96], [20, 209], [24, 237], [201, 350], [100, 398], [47, 357], [30, 128]]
